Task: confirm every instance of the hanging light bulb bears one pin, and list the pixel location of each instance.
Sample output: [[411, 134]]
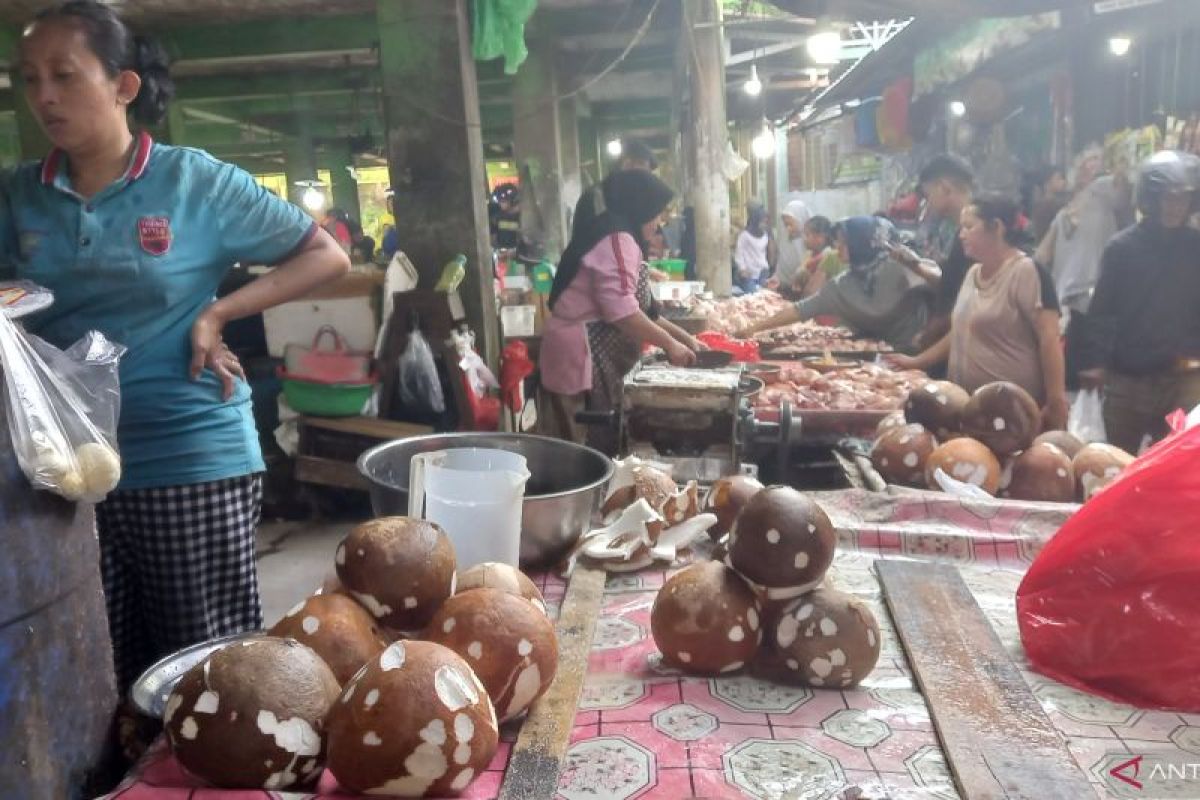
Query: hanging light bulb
[[313, 197], [958, 108], [753, 86], [615, 148], [763, 145], [825, 48]]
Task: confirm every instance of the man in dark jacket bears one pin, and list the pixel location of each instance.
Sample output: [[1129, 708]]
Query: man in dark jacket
[[1145, 348]]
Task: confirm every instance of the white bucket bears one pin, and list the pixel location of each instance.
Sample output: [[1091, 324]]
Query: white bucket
[[476, 496]]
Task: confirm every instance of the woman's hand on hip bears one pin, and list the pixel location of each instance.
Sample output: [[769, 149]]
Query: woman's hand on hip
[[1054, 415], [209, 352]]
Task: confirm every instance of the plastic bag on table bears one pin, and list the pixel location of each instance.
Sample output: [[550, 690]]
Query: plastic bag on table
[[419, 385], [62, 411], [744, 350], [1087, 417], [1110, 605]]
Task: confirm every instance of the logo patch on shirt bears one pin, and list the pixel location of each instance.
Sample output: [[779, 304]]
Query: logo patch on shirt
[[29, 242], [154, 234]]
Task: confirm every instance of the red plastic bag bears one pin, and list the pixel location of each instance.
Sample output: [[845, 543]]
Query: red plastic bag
[[743, 350], [1112, 605]]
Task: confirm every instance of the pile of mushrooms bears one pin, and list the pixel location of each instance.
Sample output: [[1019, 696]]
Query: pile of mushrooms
[[395, 677]]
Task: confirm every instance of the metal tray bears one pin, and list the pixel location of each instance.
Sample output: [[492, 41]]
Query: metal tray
[[149, 693]]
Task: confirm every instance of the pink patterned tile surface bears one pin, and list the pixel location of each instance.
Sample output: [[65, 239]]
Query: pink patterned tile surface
[[648, 732]]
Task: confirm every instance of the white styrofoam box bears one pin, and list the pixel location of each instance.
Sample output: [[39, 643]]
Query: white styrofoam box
[[298, 322], [518, 320], [520, 283], [677, 290]]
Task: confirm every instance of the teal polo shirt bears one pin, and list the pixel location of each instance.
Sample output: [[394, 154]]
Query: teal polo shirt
[[139, 262]]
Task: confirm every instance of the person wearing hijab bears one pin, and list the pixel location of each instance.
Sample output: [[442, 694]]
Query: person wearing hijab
[[750, 261], [790, 264], [597, 280], [877, 297]]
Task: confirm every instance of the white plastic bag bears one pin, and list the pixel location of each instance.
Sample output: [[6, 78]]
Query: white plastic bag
[[1086, 420], [420, 387], [62, 411]]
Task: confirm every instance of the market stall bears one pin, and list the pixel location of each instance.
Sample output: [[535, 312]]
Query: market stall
[[645, 729]]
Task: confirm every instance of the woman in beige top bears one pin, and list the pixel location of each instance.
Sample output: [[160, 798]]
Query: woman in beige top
[[1001, 328]]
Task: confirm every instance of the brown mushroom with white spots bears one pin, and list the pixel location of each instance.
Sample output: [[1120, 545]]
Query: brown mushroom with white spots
[[938, 406], [1069, 443], [783, 543], [894, 420], [1003, 416], [1042, 473], [1098, 465], [966, 461], [416, 722], [337, 628], [827, 639], [727, 498], [900, 454], [508, 641], [400, 569], [506, 578], [706, 620], [251, 715]]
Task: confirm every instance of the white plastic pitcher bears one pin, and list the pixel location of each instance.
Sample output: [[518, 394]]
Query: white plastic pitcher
[[475, 495]]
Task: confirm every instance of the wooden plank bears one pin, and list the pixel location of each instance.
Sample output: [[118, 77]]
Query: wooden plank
[[328, 472], [998, 741], [537, 757], [367, 426]]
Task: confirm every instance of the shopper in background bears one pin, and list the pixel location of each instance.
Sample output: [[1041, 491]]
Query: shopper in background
[[790, 263], [637, 155], [390, 244], [504, 217], [823, 264], [750, 256], [1144, 322], [1072, 247], [947, 183], [335, 222], [1045, 194], [1001, 328], [876, 298]]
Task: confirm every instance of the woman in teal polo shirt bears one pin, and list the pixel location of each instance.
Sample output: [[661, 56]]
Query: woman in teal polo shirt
[[134, 237]]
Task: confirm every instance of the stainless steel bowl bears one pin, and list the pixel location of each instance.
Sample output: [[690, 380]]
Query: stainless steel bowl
[[566, 484]]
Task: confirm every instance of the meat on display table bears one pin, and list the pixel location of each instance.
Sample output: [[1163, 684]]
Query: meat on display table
[[644, 731]]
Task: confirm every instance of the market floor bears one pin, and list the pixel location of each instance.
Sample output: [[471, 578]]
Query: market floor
[[293, 559]]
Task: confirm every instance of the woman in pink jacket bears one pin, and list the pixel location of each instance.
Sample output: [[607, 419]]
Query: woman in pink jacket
[[597, 279]]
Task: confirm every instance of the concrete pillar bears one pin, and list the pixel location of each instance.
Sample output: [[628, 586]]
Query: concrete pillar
[[300, 164], [592, 165], [435, 149], [570, 158], [709, 189], [537, 142], [345, 187]]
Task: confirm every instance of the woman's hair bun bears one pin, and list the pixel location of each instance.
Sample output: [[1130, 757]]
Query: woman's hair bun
[[153, 66]]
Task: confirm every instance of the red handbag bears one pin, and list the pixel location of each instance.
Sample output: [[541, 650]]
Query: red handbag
[[336, 364]]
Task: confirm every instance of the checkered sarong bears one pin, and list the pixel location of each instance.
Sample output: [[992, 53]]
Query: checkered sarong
[[178, 567]]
